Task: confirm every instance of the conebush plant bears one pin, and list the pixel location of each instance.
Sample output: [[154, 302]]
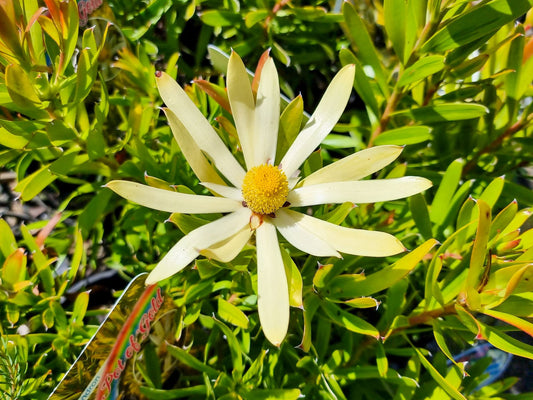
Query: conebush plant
[[336, 198]]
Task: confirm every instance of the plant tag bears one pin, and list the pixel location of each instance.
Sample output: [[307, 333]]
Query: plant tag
[[95, 375]]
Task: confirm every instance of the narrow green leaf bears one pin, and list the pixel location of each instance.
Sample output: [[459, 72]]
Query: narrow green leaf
[[492, 192], [381, 360], [80, 308], [363, 302], [421, 69], [444, 112], [60, 133], [219, 18], [11, 141], [339, 287], [294, 279], [443, 383], [273, 394], [404, 135], [151, 370], [456, 204], [191, 361], [14, 268], [395, 14], [432, 289], [311, 304], [290, 123], [20, 87], [8, 244], [255, 16], [86, 74], [94, 211], [171, 394], [232, 314], [362, 83], [76, 257], [361, 41], [479, 21], [349, 321], [33, 184], [234, 347], [479, 250], [420, 213], [505, 342], [511, 319], [445, 192], [441, 342]]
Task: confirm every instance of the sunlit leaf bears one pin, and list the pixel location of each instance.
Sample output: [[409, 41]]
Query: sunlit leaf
[[476, 23]]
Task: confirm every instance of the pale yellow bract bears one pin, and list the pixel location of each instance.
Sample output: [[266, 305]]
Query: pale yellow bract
[[253, 205]]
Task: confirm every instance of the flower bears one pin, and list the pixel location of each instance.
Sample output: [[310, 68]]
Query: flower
[[260, 198]]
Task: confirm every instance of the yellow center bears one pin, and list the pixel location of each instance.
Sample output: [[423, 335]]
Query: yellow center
[[265, 189]]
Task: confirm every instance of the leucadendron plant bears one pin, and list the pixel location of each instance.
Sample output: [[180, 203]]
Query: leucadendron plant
[[261, 196]]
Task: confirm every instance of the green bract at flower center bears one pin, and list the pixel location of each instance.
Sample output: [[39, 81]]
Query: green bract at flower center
[[265, 189]]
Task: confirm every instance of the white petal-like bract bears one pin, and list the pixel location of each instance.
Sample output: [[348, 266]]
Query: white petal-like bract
[[272, 287]]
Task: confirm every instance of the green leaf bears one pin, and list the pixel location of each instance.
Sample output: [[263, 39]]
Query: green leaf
[[492, 192], [401, 26], [381, 360], [191, 361], [234, 347], [294, 279], [421, 69], [94, 210], [151, 370], [290, 123], [444, 112], [445, 192], [171, 394], [348, 320], [363, 302], [59, 133], [311, 304], [8, 244], [479, 250], [456, 204], [432, 288], [33, 184], [86, 75], [273, 394], [479, 21], [20, 87], [281, 54], [219, 18], [77, 256], [14, 268], [420, 213], [511, 319], [362, 42], [80, 308], [255, 16], [378, 281], [505, 342], [96, 145], [232, 314], [362, 83], [443, 383], [441, 342], [405, 135], [11, 141], [503, 219]]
